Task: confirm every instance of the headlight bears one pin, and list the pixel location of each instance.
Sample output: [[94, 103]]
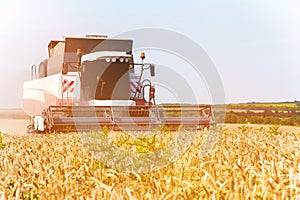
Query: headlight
[[107, 59], [121, 59], [113, 60]]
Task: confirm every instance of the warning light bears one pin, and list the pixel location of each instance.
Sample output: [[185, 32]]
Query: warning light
[[143, 55]]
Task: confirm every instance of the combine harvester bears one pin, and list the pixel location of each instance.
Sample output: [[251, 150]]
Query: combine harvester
[[92, 82]]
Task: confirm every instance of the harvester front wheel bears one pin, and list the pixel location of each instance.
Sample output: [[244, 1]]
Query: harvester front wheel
[[30, 129]]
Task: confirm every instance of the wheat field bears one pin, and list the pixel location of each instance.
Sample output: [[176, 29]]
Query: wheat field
[[246, 163]]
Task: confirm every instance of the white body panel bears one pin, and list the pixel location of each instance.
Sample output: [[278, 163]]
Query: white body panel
[[59, 89], [36, 89], [52, 90], [38, 123]]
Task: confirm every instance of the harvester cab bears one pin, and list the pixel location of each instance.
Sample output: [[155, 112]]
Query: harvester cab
[[91, 82]]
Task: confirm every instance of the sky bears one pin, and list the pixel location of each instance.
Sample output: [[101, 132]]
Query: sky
[[255, 45]]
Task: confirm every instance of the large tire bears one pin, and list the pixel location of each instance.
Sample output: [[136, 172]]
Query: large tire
[[30, 129]]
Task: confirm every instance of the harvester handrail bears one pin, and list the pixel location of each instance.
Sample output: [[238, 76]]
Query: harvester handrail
[[33, 72]]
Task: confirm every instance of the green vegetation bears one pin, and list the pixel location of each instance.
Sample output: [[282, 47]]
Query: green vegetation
[[284, 113], [274, 130], [2, 145], [262, 118], [257, 106], [142, 145]]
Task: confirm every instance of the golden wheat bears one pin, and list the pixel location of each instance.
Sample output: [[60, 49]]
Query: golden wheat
[[245, 164]]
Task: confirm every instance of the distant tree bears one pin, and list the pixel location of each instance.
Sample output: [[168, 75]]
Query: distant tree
[[297, 121], [277, 120], [268, 112], [269, 120], [219, 117], [241, 120], [287, 121], [231, 118], [277, 114], [256, 120]]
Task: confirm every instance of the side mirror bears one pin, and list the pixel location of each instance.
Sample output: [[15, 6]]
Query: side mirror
[[152, 69]]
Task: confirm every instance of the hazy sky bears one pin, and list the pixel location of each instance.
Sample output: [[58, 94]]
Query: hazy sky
[[255, 44]]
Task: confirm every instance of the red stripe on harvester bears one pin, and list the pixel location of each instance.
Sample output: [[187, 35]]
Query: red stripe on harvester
[[67, 87], [72, 90], [71, 83], [133, 85]]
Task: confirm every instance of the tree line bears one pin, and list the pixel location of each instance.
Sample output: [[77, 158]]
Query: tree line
[[264, 115]]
